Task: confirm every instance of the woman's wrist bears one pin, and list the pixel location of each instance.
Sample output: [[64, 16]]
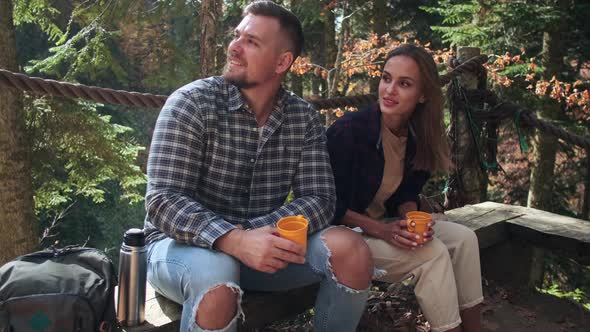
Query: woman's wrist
[[378, 230]]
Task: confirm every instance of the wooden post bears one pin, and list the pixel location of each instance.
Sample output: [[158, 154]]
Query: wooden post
[[467, 181], [585, 213]]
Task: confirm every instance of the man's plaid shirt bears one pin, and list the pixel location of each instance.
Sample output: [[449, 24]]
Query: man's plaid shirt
[[209, 170]]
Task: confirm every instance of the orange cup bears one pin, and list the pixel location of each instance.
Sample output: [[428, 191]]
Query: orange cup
[[421, 221], [294, 228]]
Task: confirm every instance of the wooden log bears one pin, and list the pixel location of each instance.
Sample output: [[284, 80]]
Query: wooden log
[[468, 181], [260, 309], [508, 236]]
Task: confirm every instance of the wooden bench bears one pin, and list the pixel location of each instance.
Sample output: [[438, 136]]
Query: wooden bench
[[508, 236], [163, 315], [512, 239]]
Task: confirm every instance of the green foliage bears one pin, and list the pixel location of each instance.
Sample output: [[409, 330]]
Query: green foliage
[[39, 12], [87, 56], [407, 18], [492, 26], [566, 278], [576, 295], [100, 226], [161, 44], [76, 151]]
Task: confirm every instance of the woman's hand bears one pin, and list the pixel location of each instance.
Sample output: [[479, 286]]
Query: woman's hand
[[402, 238]]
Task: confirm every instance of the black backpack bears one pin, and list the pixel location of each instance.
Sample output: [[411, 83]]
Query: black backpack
[[69, 289]]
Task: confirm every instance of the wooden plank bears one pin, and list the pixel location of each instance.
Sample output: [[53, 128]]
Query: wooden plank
[[161, 314], [264, 308], [488, 222], [496, 225], [563, 235], [260, 309], [569, 236]]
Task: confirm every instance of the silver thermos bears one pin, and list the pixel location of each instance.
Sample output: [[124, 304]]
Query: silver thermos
[[132, 278]]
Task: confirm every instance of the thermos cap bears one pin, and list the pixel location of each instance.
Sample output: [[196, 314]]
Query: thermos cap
[[134, 237]]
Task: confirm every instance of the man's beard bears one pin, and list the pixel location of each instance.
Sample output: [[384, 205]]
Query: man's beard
[[238, 80]]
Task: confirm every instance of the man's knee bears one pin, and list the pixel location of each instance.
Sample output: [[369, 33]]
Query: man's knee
[[218, 307], [350, 257]]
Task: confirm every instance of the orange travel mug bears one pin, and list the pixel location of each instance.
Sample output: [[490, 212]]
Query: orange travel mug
[[294, 228], [421, 221]]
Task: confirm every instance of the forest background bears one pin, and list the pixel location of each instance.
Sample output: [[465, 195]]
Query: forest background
[[79, 175]]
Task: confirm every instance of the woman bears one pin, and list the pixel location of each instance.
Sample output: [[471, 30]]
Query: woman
[[382, 157]]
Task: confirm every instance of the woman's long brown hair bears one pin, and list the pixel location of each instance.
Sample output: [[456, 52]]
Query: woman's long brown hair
[[432, 146]]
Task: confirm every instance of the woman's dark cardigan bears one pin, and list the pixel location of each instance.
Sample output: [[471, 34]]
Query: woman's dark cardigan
[[356, 155]]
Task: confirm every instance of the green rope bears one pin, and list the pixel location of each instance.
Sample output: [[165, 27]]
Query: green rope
[[490, 167], [523, 145], [475, 129], [446, 188]]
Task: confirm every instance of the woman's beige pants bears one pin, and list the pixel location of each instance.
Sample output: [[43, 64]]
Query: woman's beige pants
[[446, 272]]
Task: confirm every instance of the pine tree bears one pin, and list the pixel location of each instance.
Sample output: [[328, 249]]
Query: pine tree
[[18, 227]]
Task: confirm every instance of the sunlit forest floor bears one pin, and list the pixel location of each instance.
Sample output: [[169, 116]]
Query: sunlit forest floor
[[394, 308]]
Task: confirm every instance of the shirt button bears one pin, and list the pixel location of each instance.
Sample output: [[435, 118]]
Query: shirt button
[[252, 160]]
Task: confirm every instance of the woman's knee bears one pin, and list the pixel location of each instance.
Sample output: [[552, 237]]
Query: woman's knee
[[434, 252], [350, 257], [465, 240], [458, 236], [470, 239]]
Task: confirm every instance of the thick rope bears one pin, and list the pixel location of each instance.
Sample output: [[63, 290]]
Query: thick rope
[[507, 110], [64, 89], [529, 118], [118, 97], [470, 65]]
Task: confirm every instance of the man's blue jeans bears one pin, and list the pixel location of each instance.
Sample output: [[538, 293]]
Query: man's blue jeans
[[184, 273]]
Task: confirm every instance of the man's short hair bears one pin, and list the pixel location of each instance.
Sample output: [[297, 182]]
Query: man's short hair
[[287, 20]]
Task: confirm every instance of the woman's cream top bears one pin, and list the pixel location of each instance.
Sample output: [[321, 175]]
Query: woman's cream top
[[394, 150]]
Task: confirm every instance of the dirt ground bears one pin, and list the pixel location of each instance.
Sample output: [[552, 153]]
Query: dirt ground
[[394, 308]]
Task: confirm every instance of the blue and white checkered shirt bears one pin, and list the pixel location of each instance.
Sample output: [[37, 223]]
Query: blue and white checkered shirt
[[210, 169]]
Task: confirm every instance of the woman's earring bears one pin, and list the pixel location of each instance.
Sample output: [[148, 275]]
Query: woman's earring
[[421, 100]]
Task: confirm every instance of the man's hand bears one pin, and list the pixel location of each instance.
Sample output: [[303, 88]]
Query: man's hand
[[261, 249]]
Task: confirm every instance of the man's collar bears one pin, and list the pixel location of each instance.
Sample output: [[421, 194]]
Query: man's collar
[[237, 100]]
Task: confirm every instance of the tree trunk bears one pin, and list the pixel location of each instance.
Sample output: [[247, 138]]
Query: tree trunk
[[18, 228], [380, 13], [208, 52], [585, 213], [467, 181], [220, 48], [317, 55], [329, 39], [330, 56], [545, 145], [296, 81]]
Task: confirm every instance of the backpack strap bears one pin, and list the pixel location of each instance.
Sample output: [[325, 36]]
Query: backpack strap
[[4, 320]]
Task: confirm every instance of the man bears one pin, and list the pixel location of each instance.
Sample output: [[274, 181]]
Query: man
[[225, 154]]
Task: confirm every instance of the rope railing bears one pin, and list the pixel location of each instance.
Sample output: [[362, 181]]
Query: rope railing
[[470, 65], [43, 86], [507, 110], [502, 110]]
